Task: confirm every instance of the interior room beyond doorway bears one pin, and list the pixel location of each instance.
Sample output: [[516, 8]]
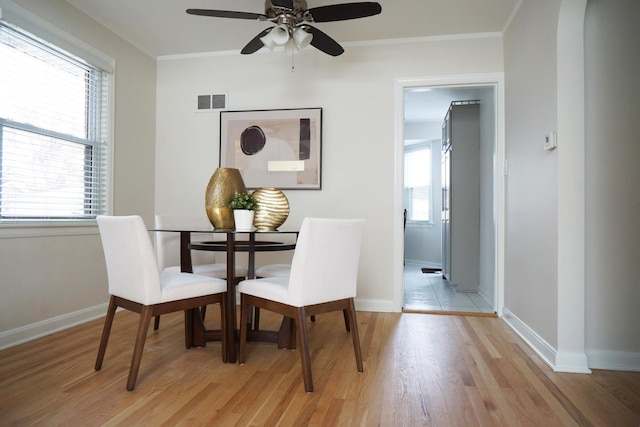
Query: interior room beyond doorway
[[425, 109]]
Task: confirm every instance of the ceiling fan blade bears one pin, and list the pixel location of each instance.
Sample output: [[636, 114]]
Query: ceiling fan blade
[[226, 14], [344, 11], [323, 42], [286, 4], [255, 44]]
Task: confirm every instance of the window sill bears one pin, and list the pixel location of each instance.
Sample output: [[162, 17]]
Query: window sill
[[419, 224], [16, 230]]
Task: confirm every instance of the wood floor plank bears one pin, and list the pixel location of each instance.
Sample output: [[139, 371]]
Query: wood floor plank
[[419, 369]]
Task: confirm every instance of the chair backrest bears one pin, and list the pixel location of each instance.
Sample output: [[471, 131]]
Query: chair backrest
[[131, 265], [325, 262], [168, 244]]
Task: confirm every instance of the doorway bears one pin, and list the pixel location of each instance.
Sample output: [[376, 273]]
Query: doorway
[[424, 288]]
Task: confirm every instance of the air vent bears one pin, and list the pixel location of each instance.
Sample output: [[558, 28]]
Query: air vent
[[218, 102], [212, 102]]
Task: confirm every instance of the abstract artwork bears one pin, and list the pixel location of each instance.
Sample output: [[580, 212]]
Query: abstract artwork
[[273, 148]]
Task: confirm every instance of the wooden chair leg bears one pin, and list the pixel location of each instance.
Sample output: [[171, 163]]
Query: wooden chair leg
[[106, 330], [351, 314], [346, 320], [244, 325], [303, 340], [156, 323], [143, 327], [292, 333]]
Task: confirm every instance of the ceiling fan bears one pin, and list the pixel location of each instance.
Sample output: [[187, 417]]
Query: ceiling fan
[[292, 18]]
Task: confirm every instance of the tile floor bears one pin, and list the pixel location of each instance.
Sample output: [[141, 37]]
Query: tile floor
[[431, 292]]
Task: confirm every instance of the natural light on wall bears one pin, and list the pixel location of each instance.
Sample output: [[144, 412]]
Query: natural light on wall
[[417, 182]]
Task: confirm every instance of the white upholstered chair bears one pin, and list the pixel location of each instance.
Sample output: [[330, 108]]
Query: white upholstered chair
[[136, 284], [273, 270], [278, 270], [168, 248], [323, 278]]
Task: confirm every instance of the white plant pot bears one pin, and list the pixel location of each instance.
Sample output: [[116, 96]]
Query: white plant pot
[[243, 219]]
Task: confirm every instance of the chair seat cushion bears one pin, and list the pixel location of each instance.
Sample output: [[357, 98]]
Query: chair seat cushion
[[212, 270], [272, 288], [176, 285], [273, 270]]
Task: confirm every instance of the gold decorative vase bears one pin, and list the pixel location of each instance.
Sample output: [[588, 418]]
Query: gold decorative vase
[[273, 209], [224, 183]]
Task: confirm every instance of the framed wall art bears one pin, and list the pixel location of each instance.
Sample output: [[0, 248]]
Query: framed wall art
[[274, 148]]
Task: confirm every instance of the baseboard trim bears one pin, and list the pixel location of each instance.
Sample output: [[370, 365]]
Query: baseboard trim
[[40, 329], [572, 362], [542, 348], [614, 360]]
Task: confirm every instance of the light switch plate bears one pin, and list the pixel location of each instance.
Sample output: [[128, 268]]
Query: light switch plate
[[550, 141]]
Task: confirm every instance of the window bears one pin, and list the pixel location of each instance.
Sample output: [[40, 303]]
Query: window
[[417, 182], [53, 131]]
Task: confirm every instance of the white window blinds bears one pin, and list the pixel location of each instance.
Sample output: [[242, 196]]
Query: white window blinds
[[53, 124]]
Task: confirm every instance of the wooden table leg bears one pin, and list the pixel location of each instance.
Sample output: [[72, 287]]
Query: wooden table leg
[[231, 300], [287, 334], [185, 252], [193, 325], [193, 318]]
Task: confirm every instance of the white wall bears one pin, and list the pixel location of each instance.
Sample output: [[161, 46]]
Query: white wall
[[571, 235], [356, 92], [531, 190], [52, 277], [612, 37]]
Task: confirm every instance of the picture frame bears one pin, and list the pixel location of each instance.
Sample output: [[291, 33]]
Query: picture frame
[[274, 148]]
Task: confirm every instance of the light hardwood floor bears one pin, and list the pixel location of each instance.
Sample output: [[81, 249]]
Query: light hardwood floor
[[420, 369]]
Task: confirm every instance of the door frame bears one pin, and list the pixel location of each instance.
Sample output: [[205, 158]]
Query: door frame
[[451, 81]]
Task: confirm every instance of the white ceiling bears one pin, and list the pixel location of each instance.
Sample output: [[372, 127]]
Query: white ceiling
[[162, 27]]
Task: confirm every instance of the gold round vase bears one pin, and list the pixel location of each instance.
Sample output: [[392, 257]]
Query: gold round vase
[[224, 183], [273, 209]]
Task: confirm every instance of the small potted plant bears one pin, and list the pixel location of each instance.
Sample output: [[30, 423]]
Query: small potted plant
[[243, 206]]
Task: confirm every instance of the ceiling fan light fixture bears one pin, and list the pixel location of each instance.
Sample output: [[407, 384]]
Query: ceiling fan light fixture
[[267, 41], [302, 38], [280, 34]]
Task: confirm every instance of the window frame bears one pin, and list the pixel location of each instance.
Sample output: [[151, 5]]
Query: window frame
[[25, 20]]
